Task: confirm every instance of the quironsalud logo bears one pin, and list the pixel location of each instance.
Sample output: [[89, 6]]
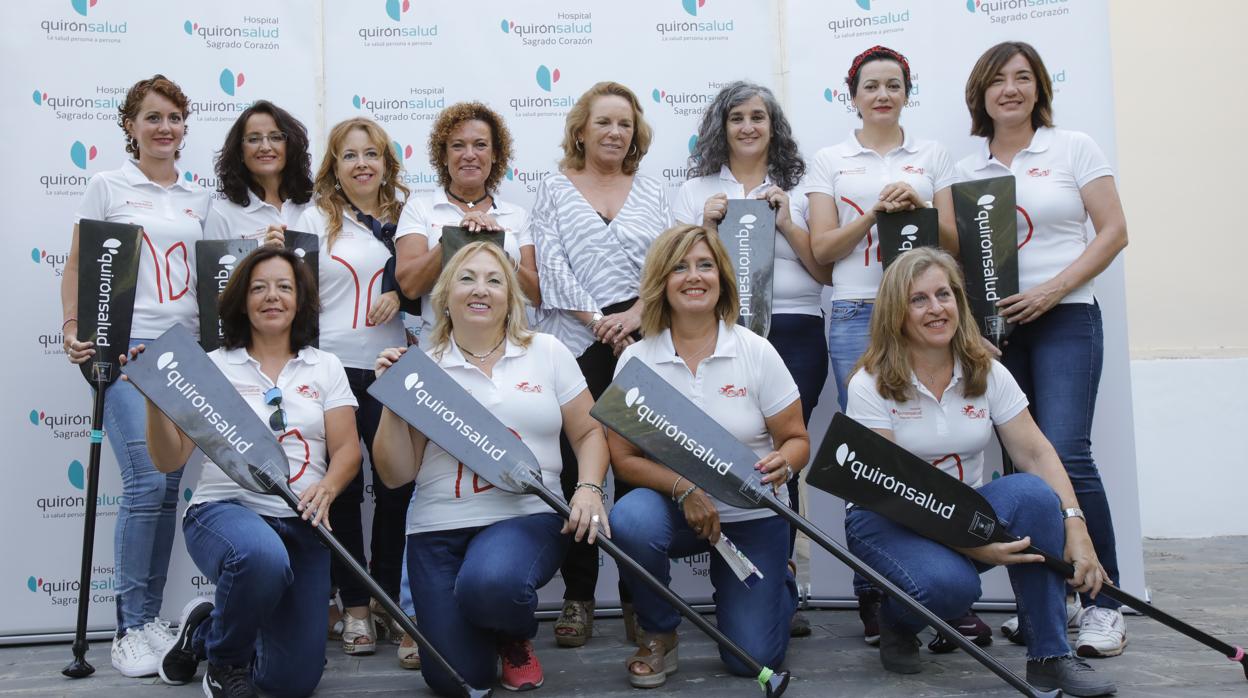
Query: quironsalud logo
[[546, 77], [402, 152], [700, 28], [692, 6], [83, 6], [395, 9], [230, 81], [1007, 11], [81, 154]]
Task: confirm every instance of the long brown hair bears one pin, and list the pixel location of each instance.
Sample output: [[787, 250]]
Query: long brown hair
[[987, 67], [888, 356], [665, 253], [332, 201]]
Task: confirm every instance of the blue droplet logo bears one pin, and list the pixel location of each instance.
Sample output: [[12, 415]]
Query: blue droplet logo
[[32, 584], [77, 477]]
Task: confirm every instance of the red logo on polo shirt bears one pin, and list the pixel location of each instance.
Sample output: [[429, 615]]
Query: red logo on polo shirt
[[911, 169], [731, 390], [525, 387], [308, 391], [957, 460], [972, 413], [1037, 172], [191, 213]]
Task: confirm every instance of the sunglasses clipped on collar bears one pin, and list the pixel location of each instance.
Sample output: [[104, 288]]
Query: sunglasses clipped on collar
[[277, 420]]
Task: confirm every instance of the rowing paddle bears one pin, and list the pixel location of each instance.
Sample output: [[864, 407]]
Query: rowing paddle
[[652, 415], [863, 467], [422, 394], [182, 382]]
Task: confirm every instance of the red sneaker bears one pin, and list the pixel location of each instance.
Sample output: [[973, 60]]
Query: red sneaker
[[521, 669]]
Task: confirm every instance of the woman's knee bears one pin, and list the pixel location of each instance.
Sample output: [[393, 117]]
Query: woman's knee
[[637, 519], [259, 564]]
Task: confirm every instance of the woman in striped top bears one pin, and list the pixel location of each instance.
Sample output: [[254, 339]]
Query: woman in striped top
[[592, 224]]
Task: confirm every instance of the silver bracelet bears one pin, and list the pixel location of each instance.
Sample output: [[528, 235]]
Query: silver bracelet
[[680, 501], [601, 493], [675, 485]]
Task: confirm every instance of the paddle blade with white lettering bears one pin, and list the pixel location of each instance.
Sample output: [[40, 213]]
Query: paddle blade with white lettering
[[748, 232], [179, 378], [214, 263], [422, 394], [988, 248], [907, 230], [454, 238], [108, 271]]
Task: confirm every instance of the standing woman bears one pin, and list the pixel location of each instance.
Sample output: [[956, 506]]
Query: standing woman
[[357, 202], [880, 168], [593, 223], [264, 172], [149, 191], [1062, 180]]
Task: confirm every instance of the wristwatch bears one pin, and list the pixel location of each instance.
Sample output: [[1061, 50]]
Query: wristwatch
[[1072, 513]]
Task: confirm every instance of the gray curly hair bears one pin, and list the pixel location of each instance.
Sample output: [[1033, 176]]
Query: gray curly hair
[[784, 161]]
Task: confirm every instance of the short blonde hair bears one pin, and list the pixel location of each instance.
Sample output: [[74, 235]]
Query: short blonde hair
[[333, 201], [665, 253], [516, 324], [578, 117]]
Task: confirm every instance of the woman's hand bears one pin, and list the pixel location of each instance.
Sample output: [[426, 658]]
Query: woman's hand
[[78, 352], [701, 515], [779, 201], [387, 358], [1022, 308], [479, 221], [614, 329], [384, 308], [1002, 553], [275, 236], [132, 356], [314, 503], [902, 196], [1089, 574], [588, 514], [991, 348], [775, 469], [714, 209]]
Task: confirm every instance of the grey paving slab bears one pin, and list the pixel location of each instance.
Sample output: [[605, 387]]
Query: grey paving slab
[[1200, 581]]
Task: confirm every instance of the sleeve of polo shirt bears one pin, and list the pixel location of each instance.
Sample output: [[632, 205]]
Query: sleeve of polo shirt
[[944, 174], [865, 404], [337, 389], [684, 209], [776, 388], [820, 178], [94, 201], [1005, 399], [413, 219], [568, 379], [523, 233], [1087, 162], [560, 287], [216, 228]]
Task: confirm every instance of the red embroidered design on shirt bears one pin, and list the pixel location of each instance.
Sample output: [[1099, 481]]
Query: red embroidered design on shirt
[[308, 391], [972, 413], [1037, 172], [525, 387], [957, 460], [731, 390], [911, 169]]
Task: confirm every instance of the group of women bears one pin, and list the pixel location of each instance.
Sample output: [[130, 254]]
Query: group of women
[[603, 269]]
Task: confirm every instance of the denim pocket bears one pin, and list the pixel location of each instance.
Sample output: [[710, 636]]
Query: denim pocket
[[845, 310]]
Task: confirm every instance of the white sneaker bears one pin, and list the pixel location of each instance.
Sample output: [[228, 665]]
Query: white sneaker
[[1102, 633], [1074, 613], [159, 636], [133, 657]]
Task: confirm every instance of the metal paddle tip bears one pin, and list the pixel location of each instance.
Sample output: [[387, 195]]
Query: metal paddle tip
[[1243, 661], [1055, 693], [775, 684], [78, 669], [479, 692]]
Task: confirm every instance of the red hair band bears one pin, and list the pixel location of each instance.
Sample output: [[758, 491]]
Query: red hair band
[[877, 52]]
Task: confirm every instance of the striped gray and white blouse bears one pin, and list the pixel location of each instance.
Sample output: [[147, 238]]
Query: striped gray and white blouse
[[586, 264]]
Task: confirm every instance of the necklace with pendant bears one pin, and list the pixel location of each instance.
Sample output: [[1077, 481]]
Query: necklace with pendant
[[482, 357], [466, 202]]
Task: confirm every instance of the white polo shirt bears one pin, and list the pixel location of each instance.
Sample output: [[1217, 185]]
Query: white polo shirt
[[1052, 220], [425, 215], [742, 384], [794, 290], [229, 221], [350, 283], [854, 176], [172, 219], [528, 387], [312, 384], [950, 433]]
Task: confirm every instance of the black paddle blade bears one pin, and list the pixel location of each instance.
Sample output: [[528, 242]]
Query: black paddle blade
[[214, 263], [907, 230], [179, 378], [422, 394], [454, 238], [988, 242], [748, 232], [653, 416], [108, 270], [862, 467]]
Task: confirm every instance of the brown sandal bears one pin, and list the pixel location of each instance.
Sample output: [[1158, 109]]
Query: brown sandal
[[576, 624], [662, 659]]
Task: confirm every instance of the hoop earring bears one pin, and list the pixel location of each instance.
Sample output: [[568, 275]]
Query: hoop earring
[[633, 150], [579, 146], [182, 145], [132, 144], [446, 312], [383, 182]]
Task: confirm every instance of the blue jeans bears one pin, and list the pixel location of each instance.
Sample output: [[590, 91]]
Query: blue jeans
[[649, 528], [1057, 362], [473, 587], [272, 577], [947, 582], [849, 333], [147, 515]]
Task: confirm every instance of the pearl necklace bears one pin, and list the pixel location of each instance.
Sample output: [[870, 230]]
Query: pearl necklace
[[482, 357]]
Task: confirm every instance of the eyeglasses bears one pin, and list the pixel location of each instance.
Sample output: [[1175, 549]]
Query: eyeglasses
[[277, 420], [255, 139]]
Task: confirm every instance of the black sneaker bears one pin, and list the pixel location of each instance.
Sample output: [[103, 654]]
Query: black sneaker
[[899, 651], [799, 625], [1071, 674], [869, 612], [970, 626], [179, 663], [229, 682]]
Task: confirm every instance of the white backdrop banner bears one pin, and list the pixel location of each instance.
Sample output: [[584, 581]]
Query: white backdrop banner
[[69, 63]]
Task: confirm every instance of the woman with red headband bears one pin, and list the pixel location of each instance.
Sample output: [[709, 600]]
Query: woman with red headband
[[879, 168]]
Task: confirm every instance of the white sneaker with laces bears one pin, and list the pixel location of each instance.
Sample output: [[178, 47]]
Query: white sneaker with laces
[[1074, 614], [159, 636], [133, 657], [1102, 633]]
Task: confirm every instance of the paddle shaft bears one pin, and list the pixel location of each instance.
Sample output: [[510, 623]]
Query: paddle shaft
[[670, 596], [79, 667], [854, 563], [383, 598]]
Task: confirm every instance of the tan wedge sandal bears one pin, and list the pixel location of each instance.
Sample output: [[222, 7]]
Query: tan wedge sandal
[[661, 658]]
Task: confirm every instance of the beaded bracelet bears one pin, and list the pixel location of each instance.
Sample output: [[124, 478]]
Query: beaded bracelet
[[680, 501], [601, 494]]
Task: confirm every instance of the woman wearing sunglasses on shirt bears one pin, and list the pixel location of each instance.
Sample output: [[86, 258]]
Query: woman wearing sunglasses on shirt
[[265, 628]]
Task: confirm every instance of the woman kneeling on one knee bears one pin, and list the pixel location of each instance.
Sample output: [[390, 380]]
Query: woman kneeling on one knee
[[738, 378], [477, 555], [927, 383]]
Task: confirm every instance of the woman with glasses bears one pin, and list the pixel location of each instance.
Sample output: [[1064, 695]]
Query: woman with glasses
[[264, 173], [264, 629]]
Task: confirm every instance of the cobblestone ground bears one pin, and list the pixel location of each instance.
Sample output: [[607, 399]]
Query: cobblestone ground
[[1200, 581]]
